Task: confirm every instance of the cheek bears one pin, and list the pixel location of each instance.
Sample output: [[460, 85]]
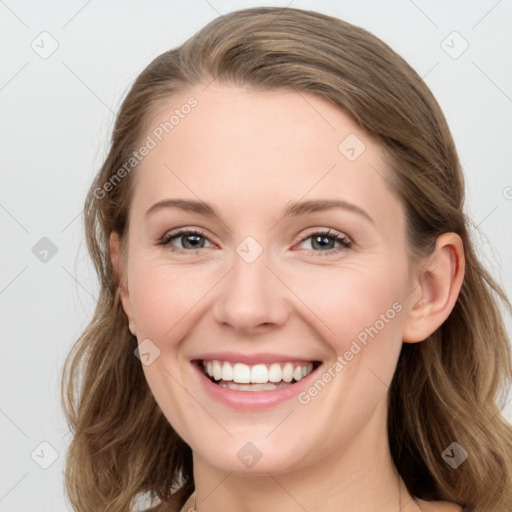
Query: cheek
[[352, 303], [164, 295]]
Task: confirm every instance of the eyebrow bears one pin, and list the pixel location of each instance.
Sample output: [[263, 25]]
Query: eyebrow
[[295, 208]]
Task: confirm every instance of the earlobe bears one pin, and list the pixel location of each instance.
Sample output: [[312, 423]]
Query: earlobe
[[119, 270], [439, 282]]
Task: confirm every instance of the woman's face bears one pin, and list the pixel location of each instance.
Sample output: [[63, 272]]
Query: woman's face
[[263, 288]]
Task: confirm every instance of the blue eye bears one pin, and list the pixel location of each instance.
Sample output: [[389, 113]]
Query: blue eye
[[186, 236], [320, 239], [194, 239]]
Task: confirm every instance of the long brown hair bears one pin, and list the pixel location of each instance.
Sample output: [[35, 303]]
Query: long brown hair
[[445, 389]]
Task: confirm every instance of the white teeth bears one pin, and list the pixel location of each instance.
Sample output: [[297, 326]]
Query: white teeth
[[241, 373], [217, 370], [227, 372], [274, 373], [258, 374], [288, 372]]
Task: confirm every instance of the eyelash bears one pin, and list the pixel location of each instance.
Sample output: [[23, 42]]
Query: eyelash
[[344, 242]]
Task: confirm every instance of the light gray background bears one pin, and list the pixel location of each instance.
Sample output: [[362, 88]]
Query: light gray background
[[57, 113]]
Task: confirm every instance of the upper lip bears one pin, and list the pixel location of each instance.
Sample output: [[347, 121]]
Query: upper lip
[[252, 359]]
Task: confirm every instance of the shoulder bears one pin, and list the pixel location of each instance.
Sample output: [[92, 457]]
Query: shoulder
[[440, 506]]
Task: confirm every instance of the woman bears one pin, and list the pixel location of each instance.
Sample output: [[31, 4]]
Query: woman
[[292, 315]]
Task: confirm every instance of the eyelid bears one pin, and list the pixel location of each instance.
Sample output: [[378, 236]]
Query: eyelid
[[323, 231], [184, 231], [345, 242]]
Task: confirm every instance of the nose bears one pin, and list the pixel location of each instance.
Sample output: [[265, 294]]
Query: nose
[[252, 297]]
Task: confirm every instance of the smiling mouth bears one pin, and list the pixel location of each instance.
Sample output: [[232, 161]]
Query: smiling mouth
[[258, 377]]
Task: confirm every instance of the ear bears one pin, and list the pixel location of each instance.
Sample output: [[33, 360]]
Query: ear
[[439, 282], [119, 268]]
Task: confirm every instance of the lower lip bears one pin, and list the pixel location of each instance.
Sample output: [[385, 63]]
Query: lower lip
[[253, 400]]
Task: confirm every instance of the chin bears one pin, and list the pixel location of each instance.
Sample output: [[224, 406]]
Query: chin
[[257, 458]]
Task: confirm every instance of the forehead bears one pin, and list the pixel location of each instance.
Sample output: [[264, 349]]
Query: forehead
[[240, 148]]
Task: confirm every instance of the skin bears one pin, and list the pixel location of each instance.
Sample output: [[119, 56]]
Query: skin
[[249, 153]]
